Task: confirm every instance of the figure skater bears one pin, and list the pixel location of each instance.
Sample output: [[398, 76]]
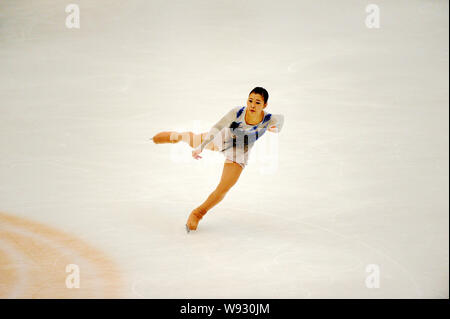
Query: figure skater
[[234, 135]]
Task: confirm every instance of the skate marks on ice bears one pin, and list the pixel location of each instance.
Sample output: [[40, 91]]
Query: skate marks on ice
[[35, 259]]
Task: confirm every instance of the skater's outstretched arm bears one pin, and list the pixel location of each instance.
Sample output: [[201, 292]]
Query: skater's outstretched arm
[[223, 122], [276, 123]]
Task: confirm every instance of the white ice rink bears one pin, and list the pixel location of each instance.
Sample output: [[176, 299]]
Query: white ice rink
[[357, 177]]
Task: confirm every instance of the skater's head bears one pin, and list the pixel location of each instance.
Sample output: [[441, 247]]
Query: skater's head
[[257, 99]]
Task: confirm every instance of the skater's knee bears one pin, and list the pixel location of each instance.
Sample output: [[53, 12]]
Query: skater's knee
[[191, 139], [226, 184], [222, 189], [194, 139], [188, 137]]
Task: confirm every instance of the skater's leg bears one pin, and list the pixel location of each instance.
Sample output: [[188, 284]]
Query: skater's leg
[[167, 137], [230, 175], [211, 146], [193, 140]]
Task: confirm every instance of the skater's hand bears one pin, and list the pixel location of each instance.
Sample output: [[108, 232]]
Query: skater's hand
[[195, 154], [273, 129]]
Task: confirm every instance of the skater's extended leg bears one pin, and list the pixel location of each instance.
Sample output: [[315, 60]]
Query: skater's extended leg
[[168, 137], [230, 175], [193, 140]]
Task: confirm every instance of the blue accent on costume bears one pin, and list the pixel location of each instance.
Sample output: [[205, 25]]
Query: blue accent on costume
[[246, 137], [240, 112], [266, 118], [234, 125]]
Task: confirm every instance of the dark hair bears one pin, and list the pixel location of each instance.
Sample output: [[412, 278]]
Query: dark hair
[[261, 91]]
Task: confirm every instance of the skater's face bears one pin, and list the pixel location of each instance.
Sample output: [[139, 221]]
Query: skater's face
[[255, 103]]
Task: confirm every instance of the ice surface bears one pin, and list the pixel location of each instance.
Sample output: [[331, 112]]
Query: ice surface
[[360, 175]]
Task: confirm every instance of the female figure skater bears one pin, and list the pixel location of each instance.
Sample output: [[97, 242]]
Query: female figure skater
[[234, 136]]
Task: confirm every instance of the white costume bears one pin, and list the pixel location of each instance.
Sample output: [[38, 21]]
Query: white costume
[[235, 138]]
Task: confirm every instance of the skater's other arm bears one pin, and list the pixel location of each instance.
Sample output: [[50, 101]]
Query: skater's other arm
[[223, 122], [276, 123]]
